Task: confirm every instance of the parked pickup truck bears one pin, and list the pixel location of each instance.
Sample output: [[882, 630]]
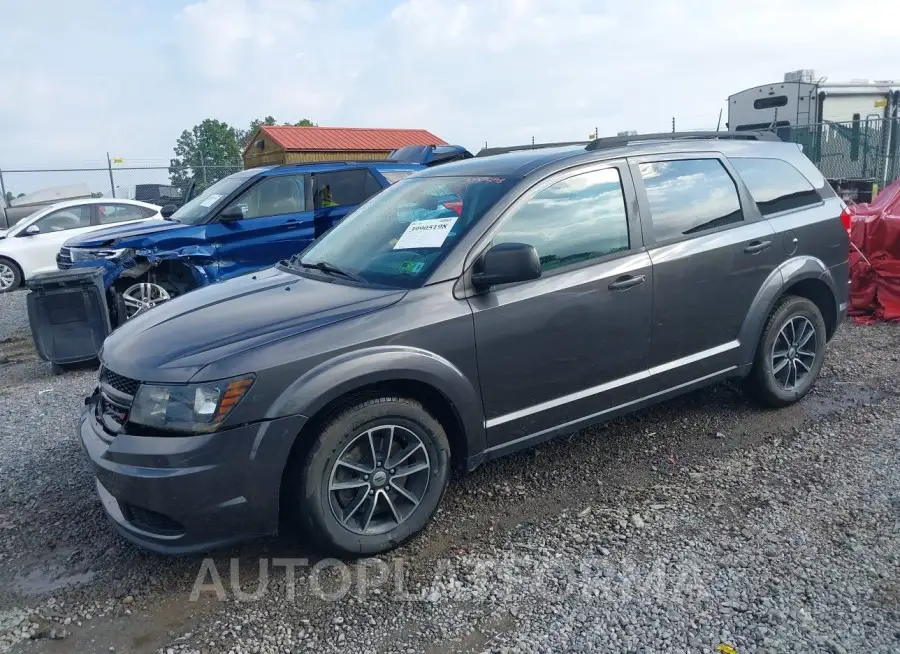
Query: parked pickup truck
[[24, 206]]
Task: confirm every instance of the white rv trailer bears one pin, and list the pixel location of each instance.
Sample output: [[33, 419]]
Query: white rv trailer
[[850, 130], [805, 99]]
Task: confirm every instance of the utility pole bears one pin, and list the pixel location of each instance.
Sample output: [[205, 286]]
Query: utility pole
[[112, 182], [203, 167]]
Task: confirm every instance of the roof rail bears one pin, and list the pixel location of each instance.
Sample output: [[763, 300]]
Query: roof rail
[[488, 152], [616, 141]]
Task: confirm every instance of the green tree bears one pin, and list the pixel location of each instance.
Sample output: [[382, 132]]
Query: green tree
[[205, 154]]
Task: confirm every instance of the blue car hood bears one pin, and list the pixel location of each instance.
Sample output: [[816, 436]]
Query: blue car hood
[[116, 234], [174, 341]]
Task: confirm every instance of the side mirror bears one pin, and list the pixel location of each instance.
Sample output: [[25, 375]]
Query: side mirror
[[167, 210], [31, 230], [506, 263], [231, 214]]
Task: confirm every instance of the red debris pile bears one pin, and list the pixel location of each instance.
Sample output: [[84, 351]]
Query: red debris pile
[[875, 257]]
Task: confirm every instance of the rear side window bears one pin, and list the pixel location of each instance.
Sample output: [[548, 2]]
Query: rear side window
[[775, 185], [344, 188], [577, 219], [108, 214], [689, 197]]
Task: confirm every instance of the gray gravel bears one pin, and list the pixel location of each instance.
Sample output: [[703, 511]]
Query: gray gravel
[[13, 314], [704, 521]]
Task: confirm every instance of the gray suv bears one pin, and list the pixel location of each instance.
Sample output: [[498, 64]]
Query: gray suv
[[468, 311]]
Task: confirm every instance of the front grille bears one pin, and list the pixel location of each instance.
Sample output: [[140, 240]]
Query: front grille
[[119, 383], [147, 520], [64, 259], [116, 395]]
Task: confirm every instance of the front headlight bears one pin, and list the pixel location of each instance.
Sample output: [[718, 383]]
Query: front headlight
[[189, 408], [96, 254]]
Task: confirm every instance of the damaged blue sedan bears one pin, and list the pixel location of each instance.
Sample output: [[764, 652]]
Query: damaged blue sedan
[[245, 222]]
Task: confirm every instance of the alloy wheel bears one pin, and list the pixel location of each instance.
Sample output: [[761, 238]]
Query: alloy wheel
[[143, 296], [794, 353], [7, 277], [379, 480]]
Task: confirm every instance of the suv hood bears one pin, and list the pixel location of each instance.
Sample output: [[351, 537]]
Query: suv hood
[[110, 235], [174, 341]]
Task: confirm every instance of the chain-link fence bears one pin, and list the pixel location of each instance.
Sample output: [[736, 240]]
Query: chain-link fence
[[858, 150], [119, 181]]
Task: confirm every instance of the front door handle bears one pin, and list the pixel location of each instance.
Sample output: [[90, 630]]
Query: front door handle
[[292, 224], [757, 246], [626, 282]]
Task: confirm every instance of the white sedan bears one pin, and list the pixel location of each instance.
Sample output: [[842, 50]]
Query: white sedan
[[30, 246]]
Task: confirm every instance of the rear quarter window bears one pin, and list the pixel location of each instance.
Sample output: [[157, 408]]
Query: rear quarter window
[[775, 185]]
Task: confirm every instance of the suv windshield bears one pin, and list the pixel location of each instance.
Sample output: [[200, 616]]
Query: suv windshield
[[398, 237], [200, 207]]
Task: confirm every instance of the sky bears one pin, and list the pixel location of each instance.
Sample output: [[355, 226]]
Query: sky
[[80, 78]]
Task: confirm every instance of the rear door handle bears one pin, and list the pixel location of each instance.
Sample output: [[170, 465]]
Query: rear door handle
[[757, 246], [293, 223], [626, 282]]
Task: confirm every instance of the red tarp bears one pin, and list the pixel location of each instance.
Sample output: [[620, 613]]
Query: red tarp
[[875, 259]]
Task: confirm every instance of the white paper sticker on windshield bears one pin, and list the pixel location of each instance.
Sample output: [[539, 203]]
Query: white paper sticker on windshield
[[211, 200], [425, 234]]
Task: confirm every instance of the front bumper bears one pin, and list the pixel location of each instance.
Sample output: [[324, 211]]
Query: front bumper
[[185, 494]]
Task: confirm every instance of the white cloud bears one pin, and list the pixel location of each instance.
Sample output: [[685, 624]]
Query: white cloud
[[81, 80]]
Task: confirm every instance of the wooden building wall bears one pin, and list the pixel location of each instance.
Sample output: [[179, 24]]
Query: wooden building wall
[[337, 155], [272, 154]]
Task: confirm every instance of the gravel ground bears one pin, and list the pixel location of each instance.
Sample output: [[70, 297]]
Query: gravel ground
[[701, 522]]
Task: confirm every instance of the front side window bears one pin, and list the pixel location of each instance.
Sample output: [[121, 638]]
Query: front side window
[[689, 197], [574, 220], [399, 236], [775, 185], [344, 188], [117, 213], [274, 196], [201, 207], [65, 219]]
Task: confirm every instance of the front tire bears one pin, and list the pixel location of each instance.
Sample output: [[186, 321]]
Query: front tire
[[373, 478], [790, 354], [10, 275]]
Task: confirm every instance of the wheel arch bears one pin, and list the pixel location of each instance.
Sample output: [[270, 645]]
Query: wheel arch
[[805, 276], [388, 370]]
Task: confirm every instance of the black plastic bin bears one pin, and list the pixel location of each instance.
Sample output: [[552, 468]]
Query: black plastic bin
[[69, 315]]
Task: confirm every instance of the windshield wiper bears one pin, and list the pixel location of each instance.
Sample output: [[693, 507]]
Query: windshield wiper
[[331, 269]]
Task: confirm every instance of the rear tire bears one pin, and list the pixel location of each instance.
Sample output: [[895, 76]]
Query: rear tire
[[10, 275], [372, 479], [790, 353]]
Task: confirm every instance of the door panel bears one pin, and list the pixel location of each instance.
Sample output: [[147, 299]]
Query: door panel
[[542, 342], [276, 226], [37, 252], [711, 254], [563, 346], [703, 288]]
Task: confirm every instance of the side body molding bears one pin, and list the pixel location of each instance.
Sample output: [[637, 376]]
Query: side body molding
[[350, 371], [788, 273]]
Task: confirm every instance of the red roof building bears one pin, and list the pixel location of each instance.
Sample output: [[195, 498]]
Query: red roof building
[[280, 144]]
